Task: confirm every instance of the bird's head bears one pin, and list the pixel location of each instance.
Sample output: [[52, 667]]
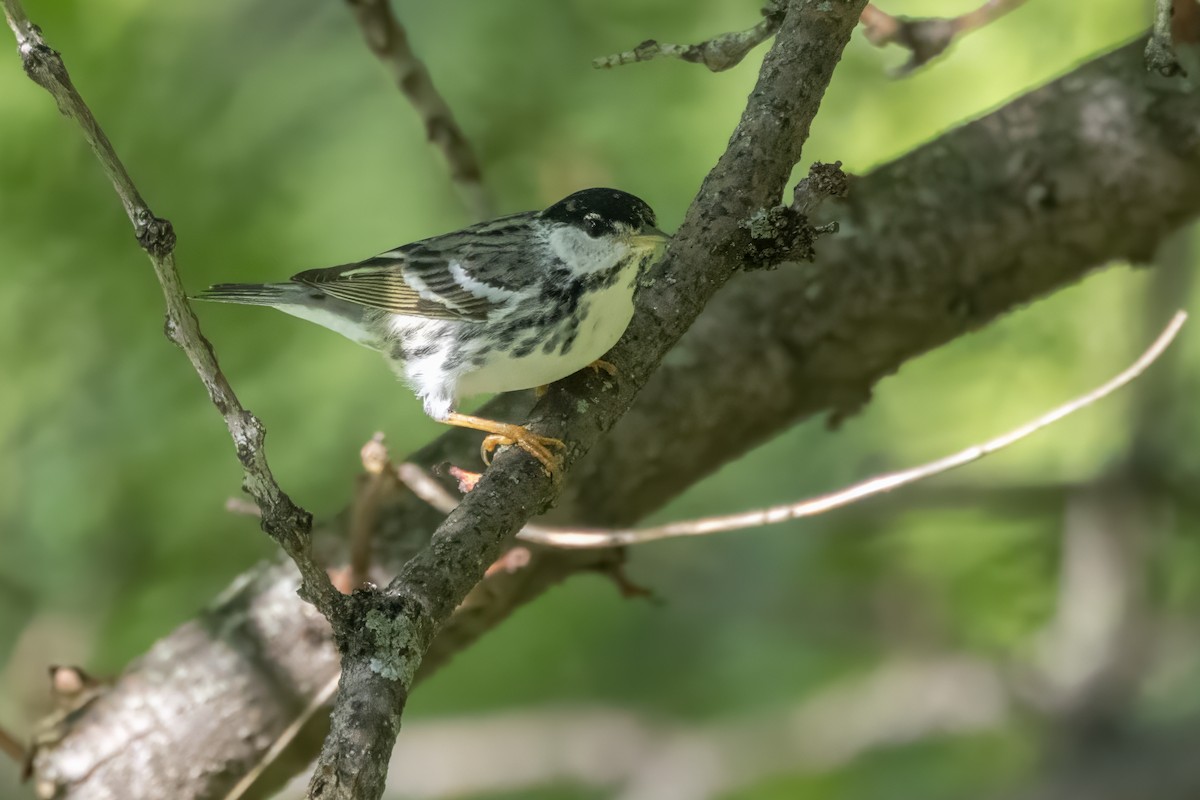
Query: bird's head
[[597, 229]]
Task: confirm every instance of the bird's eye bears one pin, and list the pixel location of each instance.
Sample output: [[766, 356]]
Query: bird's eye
[[593, 225]]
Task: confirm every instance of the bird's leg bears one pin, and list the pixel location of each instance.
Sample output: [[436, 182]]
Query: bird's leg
[[504, 433]]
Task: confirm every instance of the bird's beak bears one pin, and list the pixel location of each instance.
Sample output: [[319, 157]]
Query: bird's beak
[[650, 239]]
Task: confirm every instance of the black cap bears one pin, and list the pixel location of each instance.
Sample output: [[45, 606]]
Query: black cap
[[597, 211]]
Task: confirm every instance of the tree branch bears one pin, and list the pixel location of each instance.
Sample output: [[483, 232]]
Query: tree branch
[[718, 53], [928, 38], [387, 39], [287, 523], [989, 217]]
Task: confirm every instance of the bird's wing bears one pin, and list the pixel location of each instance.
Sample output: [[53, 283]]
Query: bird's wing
[[460, 276]]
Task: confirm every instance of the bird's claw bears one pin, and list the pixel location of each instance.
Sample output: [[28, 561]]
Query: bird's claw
[[537, 446]]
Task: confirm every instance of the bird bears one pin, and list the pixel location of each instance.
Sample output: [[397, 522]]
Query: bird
[[512, 303]]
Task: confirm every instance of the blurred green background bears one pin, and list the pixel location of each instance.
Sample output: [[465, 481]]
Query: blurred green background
[[274, 142]]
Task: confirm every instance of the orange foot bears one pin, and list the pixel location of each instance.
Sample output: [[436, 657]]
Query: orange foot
[[503, 434]]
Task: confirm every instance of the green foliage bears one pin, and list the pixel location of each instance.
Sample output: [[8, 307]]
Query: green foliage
[[268, 135], [943, 769]]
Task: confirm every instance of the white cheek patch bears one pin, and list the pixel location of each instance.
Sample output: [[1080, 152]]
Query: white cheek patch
[[582, 253]]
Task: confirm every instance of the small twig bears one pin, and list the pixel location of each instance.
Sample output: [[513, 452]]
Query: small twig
[[425, 487], [718, 53], [387, 39], [242, 507], [822, 182], [433, 493], [11, 746], [364, 510], [286, 522], [1160, 49], [927, 38]]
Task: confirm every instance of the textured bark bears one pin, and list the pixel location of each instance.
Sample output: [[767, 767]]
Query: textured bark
[[380, 658], [1097, 166]]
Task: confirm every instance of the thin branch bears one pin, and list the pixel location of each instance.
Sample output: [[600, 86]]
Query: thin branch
[[286, 522], [373, 485], [1160, 49], [423, 485], [577, 538], [387, 39], [718, 53], [927, 38]]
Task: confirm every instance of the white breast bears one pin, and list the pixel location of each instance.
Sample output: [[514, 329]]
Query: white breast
[[605, 318]]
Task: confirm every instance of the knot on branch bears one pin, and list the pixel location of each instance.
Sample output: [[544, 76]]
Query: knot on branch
[[823, 181], [778, 234], [155, 234], [386, 631], [248, 438], [784, 233], [286, 522], [41, 62]]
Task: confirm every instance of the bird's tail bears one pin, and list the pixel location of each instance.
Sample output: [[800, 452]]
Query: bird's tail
[[301, 301], [252, 294]]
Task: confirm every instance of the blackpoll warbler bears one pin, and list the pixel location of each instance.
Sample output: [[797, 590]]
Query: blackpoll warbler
[[514, 303]]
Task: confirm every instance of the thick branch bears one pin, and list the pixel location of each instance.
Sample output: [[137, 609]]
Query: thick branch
[[380, 661], [1097, 166], [286, 522]]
